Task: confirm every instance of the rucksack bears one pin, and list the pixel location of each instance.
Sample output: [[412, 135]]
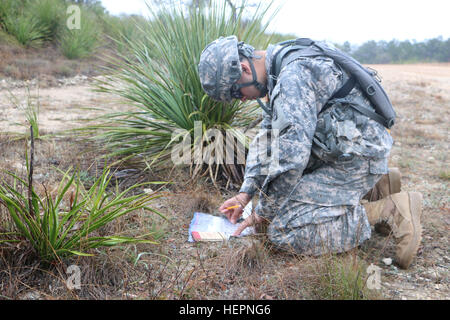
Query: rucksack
[[367, 79]]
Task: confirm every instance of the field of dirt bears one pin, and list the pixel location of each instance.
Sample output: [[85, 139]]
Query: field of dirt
[[421, 96]]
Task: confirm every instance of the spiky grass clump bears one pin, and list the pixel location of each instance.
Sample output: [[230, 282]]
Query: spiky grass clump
[[82, 42], [68, 223], [26, 29], [50, 14], [32, 22]]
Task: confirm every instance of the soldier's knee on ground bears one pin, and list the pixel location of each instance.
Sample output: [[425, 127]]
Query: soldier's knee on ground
[[278, 238]]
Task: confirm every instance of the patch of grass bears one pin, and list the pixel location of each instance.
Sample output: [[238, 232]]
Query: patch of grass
[[30, 107], [444, 175], [252, 257], [27, 29], [341, 278], [7, 8], [50, 15], [68, 220], [81, 43], [33, 22], [406, 163], [7, 39]]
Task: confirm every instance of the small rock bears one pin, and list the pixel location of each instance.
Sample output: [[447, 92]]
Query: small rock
[[30, 295], [39, 176], [387, 261], [432, 274], [130, 296], [148, 190], [19, 166]]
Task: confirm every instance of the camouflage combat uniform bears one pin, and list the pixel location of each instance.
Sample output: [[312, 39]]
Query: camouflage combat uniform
[[327, 162]]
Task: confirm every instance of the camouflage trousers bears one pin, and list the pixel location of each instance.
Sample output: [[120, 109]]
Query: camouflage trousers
[[321, 212]]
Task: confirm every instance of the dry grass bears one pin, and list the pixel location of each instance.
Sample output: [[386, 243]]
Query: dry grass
[[46, 64]]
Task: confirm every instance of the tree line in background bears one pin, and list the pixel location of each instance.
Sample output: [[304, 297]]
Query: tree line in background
[[394, 51]]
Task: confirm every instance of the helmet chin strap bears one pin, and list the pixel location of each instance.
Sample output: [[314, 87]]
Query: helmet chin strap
[[263, 106], [261, 87]]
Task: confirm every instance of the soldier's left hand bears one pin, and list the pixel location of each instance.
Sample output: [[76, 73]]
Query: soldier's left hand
[[248, 222]]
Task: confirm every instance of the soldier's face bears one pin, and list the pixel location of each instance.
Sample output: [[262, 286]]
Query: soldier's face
[[249, 92]]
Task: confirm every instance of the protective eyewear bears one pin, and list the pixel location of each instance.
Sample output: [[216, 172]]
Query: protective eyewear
[[236, 91]]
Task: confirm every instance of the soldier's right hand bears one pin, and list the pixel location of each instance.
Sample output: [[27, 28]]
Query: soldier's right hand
[[234, 207]]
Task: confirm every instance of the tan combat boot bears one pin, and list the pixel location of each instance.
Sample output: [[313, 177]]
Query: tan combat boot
[[402, 212], [389, 183]]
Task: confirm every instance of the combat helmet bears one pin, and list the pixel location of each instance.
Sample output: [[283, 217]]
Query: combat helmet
[[219, 69]]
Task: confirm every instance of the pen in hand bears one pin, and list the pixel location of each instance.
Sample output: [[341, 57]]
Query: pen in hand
[[232, 207]]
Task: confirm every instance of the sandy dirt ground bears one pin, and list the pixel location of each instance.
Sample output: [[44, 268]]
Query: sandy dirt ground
[[421, 96], [60, 108]]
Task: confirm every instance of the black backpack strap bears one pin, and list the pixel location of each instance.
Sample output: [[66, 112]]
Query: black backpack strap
[[287, 47], [345, 89], [341, 93], [369, 113], [278, 58], [365, 111]]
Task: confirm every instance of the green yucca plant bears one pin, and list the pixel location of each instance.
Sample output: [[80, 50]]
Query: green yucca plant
[[160, 78], [81, 43], [50, 14], [27, 29], [57, 231], [8, 8], [67, 223]]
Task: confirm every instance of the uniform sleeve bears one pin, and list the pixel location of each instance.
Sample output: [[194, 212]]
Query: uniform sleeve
[[255, 167]]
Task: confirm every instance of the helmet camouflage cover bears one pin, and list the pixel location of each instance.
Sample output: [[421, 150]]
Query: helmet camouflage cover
[[219, 68]]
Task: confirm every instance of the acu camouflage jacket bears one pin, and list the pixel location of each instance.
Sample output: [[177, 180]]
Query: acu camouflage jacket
[[304, 136]]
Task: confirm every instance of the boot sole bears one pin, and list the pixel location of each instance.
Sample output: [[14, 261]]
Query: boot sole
[[415, 205]]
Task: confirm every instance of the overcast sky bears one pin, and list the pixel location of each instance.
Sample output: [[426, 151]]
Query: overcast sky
[[356, 21]]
